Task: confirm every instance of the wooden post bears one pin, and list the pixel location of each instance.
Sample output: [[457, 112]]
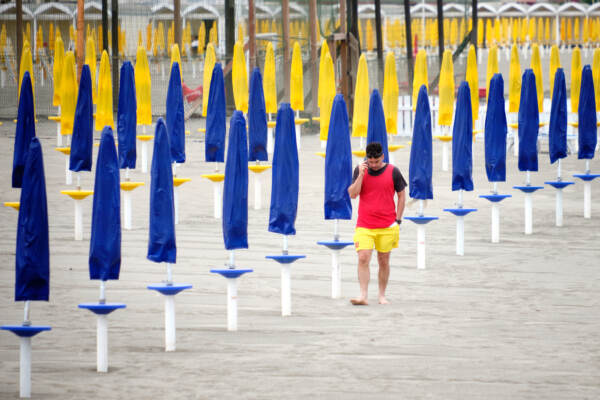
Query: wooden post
[[474, 29], [378, 25], [19, 7], [177, 23], [105, 25], [314, 45], [285, 15], [251, 35], [409, 51], [80, 45], [115, 52], [440, 18]]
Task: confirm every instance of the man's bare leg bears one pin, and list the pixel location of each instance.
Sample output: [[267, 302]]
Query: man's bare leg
[[384, 275], [364, 257]]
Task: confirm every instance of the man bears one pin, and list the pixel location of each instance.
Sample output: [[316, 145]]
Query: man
[[379, 219]]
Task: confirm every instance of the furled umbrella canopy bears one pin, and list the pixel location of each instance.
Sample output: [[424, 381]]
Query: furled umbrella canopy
[[446, 88], [495, 132], [105, 241], [235, 187], [32, 256], [492, 68], [322, 82], [596, 76], [127, 117], [80, 158], [25, 130], [536, 66], [285, 174], [175, 55], [420, 77], [575, 78], [361, 99], [26, 66], [68, 94], [338, 163], [269, 86], [327, 86], [257, 119], [143, 88], [90, 60], [462, 141], [376, 131], [59, 56], [175, 115], [390, 94], [528, 124], [161, 241], [472, 77], [296, 80], [214, 149], [554, 65], [104, 108], [588, 136], [209, 65], [239, 76], [420, 169], [557, 133], [514, 81]]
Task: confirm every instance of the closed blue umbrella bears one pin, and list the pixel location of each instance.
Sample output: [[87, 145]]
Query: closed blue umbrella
[[285, 175], [557, 134], [495, 132], [235, 188], [338, 163], [462, 141], [376, 130], [32, 257], [175, 115], [420, 169], [215, 118], [529, 121], [105, 242], [25, 130], [161, 242], [588, 137], [80, 158], [127, 117], [257, 119]]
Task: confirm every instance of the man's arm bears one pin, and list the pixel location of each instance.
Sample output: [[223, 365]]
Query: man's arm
[[401, 203], [354, 189]]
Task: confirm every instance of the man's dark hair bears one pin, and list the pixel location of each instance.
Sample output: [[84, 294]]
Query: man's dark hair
[[374, 150]]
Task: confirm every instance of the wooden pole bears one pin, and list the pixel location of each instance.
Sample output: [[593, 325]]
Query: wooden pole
[[105, 25], [409, 50], [115, 52], [314, 45], [378, 25], [251, 35], [285, 15], [177, 23], [80, 32], [19, 7], [474, 29], [344, 79], [440, 21]]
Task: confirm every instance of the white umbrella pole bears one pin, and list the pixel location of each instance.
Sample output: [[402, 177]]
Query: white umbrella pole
[[2, 78], [445, 151], [362, 143], [78, 220], [270, 141], [257, 192], [127, 211], [528, 208], [336, 267], [298, 132], [162, 71], [286, 292], [169, 314], [102, 335], [460, 228], [587, 193], [232, 304], [144, 152], [25, 367], [495, 218], [217, 199], [176, 204], [421, 240], [68, 174], [58, 135], [559, 207], [516, 137]]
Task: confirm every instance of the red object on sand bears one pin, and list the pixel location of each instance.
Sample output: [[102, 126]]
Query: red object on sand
[[191, 94]]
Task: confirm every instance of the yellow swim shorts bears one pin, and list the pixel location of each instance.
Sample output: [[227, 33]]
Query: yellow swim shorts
[[382, 239]]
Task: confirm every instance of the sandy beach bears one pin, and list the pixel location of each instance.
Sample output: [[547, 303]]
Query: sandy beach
[[514, 320]]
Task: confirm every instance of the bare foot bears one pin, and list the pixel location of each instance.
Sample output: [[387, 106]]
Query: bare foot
[[359, 302], [383, 300]]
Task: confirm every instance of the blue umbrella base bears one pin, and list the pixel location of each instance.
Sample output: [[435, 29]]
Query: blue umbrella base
[[587, 177], [101, 309], [334, 244], [421, 220], [231, 273], [24, 330], [460, 212], [528, 189], [559, 184], [285, 258], [495, 198], [169, 290]]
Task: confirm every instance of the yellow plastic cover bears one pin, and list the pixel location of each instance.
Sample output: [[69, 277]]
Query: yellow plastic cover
[[175, 54], [296, 82], [143, 88], [360, 117], [390, 94], [59, 57], [209, 64], [201, 38], [104, 109], [240, 78], [90, 60], [472, 77], [536, 66], [269, 86], [446, 90], [575, 78], [68, 94], [327, 84], [596, 75], [514, 81], [492, 68], [420, 77], [26, 65], [554, 65], [324, 51]]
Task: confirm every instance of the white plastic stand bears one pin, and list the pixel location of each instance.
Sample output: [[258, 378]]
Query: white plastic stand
[[102, 344], [587, 199], [145, 157], [25, 367], [495, 223], [217, 199], [257, 192], [169, 323], [460, 235], [286, 292], [323, 144], [68, 174], [127, 209], [58, 135], [270, 138], [78, 220], [176, 204], [298, 132], [445, 156], [232, 304], [528, 214], [559, 208], [421, 246]]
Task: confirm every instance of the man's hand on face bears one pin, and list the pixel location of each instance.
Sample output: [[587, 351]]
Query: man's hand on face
[[362, 167]]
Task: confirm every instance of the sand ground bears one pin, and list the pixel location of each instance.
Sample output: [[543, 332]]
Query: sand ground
[[514, 320]]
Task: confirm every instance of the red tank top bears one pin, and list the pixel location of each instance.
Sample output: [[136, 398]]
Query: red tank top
[[376, 207]]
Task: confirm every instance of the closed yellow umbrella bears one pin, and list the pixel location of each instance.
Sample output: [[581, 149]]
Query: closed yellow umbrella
[[585, 33], [596, 75], [175, 55], [563, 31], [143, 88], [50, 37], [554, 65], [149, 36], [492, 68], [209, 64], [497, 31], [461, 31], [215, 33], [269, 83], [201, 38], [472, 77], [370, 36], [68, 94], [536, 66], [361, 35], [569, 30], [454, 32], [26, 65], [321, 89], [576, 35], [447, 35], [140, 41], [71, 32], [514, 81], [446, 90], [155, 41], [531, 29], [547, 31], [296, 80], [489, 33], [540, 30], [360, 117], [161, 37], [239, 76], [327, 85], [524, 30], [59, 57], [104, 109], [391, 92], [420, 77], [575, 78], [90, 59], [39, 39], [514, 33]]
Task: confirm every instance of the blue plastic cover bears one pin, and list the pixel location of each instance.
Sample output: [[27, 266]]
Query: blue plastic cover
[[495, 132], [588, 136], [257, 119], [376, 130], [161, 241], [529, 122], [285, 175], [32, 257], [338, 163], [214, 149], [105, 242], [82, 144], [557, 133], [175, 115], [25, 130], [420, 169], [462, 141], [235, 187], [127, 117]]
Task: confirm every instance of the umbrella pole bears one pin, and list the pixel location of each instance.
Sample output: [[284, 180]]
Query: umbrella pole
[[162, 71], [421, 240], [515, 135], [232, 296], [169, 313], [257, 191], [217, 199], [298, 132], [58, 135], [270, 141], [559, 197], [460, 228], [445, 151], [25, 367], [68, 174], [78, 220], [528, 207], [286, 292], [144, 152], [102, 334], [336, 267], [587, 193], [495, 218]]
